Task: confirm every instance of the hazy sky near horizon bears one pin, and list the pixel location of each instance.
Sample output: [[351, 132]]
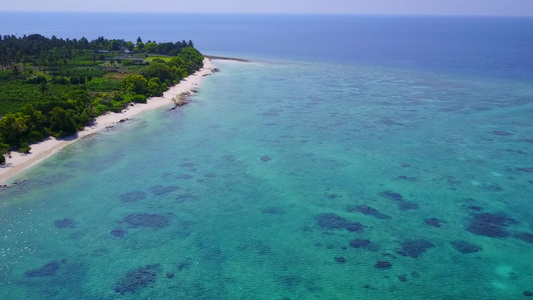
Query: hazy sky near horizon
[[409, 7]]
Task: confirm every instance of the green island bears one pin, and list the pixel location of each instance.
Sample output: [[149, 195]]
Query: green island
[[56, 87]]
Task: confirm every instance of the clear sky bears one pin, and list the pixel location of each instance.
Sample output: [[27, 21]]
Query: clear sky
[[410, 7]]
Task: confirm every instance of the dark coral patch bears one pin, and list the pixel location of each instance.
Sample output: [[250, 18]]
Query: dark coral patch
[[161, 190], [117, 232], [340, 259], [490, 225], [527, 170], [147, 220], [475, 208], [415, 248], [407, 205], [434, 222], [402, 278], [383, 264], [524, 236], [187, 164], [50, 269], [391, 195], [184, 176], [367, 210], [185, 197], [266, 158], [403, 205], [332, 221], [526, 140], [132, 197], [407, 178], [360, 243], [170, 275], [137, 279], [64, 223], [210, 175], [527, 293], [465, 247], [502, 133]]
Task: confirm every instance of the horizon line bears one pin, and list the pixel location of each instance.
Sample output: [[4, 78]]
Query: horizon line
[[267, 13]]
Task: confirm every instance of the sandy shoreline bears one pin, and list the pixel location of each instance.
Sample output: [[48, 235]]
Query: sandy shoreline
[[18, 161]]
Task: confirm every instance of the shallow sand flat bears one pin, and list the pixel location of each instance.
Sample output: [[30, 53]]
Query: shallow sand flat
[[20, 161]]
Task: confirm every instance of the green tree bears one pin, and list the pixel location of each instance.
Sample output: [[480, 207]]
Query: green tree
[[13, 126], [62, 122], [44, 88], [114, 45], [3, 151], [150, 47], [135, 84], [158, 70], [154, 86]]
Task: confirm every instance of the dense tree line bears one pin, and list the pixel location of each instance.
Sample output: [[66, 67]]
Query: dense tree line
[[70, 98], [38, 49]]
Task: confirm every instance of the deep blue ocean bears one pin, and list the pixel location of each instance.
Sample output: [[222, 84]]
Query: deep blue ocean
[[353, 157]]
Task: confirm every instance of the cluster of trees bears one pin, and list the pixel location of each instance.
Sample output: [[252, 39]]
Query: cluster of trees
[[67, 104], [38, 49]]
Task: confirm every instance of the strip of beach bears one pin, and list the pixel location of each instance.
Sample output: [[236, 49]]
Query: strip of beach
[[17, 162]]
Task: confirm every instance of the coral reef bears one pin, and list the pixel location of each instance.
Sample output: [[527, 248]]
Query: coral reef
[[132, 197], [367, 210], [465, 247], [332, 221], [434, 222], [64, 223], [403, 205], [524, 236], [50, 269], [490, 225], [383, 264], [415, 248], [340, 259], [137, 279], [117, 232], [161, 190], [147, 220]]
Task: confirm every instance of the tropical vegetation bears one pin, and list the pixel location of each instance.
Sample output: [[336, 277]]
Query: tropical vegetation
[[55, 87]]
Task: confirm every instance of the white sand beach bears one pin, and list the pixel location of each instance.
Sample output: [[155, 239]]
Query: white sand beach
[[20, 161]]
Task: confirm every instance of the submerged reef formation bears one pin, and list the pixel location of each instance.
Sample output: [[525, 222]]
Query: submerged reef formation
[[465, 247], [117, 232], [136, 280], [524, 236], [415, 248], [132, 197], [367, 210], [364, 244], [159, 190], [154, 221], [383, 264], [490, 225], [332, 221], [434, 222], [50, 269], [64, 223], [266, 158], [403, 204]]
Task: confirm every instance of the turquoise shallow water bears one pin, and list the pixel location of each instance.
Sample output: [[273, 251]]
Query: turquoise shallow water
[[288, 180]]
